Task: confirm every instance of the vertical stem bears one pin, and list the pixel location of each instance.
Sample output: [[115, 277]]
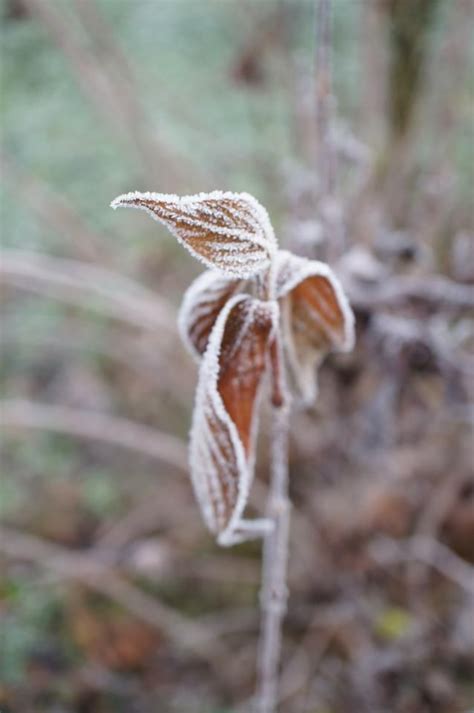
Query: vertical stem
[[326, 156], [274, 592], [324, 97]]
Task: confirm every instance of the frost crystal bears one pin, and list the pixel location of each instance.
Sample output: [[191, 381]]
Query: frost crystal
[[227, 231], [235, 335], [224, 426], [200, 308], [316, 314]]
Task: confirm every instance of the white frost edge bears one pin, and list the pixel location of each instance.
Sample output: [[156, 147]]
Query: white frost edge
[[197, 288], [314, 268], [209, 373], [269, 243]]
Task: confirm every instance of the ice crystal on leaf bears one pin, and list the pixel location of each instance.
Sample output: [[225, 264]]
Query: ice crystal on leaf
[[316, 314], [225, 414], [237, 337], [201, 305], [227, 231]]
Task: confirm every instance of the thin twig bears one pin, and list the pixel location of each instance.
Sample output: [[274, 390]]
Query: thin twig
[[100, 427], [275, 554]]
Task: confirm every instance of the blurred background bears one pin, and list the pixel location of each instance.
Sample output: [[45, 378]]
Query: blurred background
[[352, 121]]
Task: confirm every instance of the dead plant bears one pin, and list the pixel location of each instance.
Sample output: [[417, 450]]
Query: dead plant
[[257, 310]]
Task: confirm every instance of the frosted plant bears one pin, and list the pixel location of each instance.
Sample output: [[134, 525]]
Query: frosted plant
[[256, 311]]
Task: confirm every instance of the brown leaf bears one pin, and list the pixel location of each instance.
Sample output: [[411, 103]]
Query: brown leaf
[[200, 308], [225, 414], [316, 314], [227, 231]]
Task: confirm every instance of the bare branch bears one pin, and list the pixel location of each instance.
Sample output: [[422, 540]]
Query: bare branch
[[274, 593], [100, 427]]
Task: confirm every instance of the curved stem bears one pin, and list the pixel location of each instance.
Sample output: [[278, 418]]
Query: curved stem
[[274, 592]]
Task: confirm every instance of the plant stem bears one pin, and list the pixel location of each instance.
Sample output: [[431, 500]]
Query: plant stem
[[324, 98], [274, 592]]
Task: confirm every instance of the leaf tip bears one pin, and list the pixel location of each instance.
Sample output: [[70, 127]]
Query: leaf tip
[[126, 199]]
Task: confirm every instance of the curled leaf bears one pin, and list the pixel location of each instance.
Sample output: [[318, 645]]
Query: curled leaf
[[316, 315], [225, 415], [201, 305], [227, 231]]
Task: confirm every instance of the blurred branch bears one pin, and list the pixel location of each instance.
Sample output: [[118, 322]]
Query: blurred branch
[[387, 551], [324, 97], [433, 513], [109, 52], [434, 291], [138, 521], [114, 96], [90, 571], [114, 344], [78, 282], [88, 424], [330, 207], [111, 345], [306, 659], [408, 31]]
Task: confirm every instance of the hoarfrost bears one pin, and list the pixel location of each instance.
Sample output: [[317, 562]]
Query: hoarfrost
[[317, 317], [202, 302], [225, 416], [227, 231], [234, 333]]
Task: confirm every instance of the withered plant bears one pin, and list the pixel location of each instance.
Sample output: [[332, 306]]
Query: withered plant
[[256, 311]]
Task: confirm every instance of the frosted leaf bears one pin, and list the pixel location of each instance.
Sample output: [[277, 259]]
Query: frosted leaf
[[316, 314], [201, 305], [222, 449], [230, 232]]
